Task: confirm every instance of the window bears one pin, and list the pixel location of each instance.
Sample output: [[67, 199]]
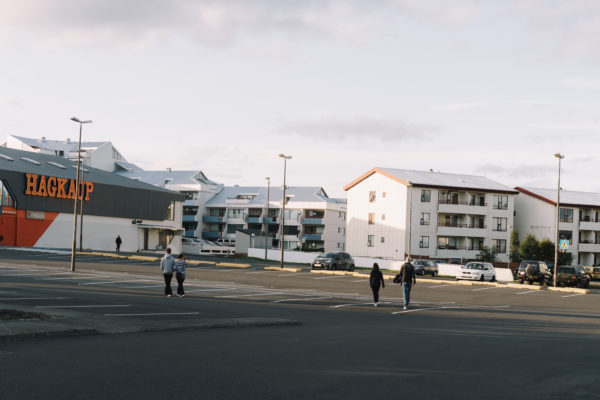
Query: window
[[499, 224], [424, 242], [343, 246], [500, 202], [371, 218], [190, 210], [383, 217], [372, 196], [370, 240], [424, 218], [383, 195], [6, 199], [235, 213], [566, 215], [566, 235], [425, 196], [382, 239], [499, 245]]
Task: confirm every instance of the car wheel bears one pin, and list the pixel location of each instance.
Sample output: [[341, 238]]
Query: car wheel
[[521, 281], [579, 284], [482, 278], [493, 278], [352, 267], [333, 267], [434, 274], [530, 282]]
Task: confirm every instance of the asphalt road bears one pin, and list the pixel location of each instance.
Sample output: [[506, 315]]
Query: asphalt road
[[455, 341]]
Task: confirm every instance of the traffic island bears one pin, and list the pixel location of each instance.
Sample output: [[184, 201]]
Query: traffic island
[[287, 269]]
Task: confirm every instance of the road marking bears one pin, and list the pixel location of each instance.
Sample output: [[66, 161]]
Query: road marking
[[351, 304], [249, 295], [257, 272], [457, 306], [530, 291], [485, 288], [212, 290], [360, 280], [296, 274], [106, 283], [79, 277], [32, 298], [438, 286], [88, 306], [6, 292], [143, 287], [138, 315], [422, 309], [329, 277], [309, 298], [573, 295]]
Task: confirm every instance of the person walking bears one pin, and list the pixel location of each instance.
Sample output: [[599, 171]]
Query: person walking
[[408, 279], [180, 271], [376, 281], [118, 242], [166, 265]]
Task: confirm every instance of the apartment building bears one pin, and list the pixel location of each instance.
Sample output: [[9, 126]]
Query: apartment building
[[312, 220], [579, 220], [393, 213]]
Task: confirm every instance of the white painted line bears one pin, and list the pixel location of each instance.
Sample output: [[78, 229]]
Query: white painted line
[[6, 292], [457, 306], [138, 315], [360, 280], [32, 298], [257, 272], [309, 298], [573, 295], [530, 291], [211, 290], [438, 286], [485, 288], [249, 295], [330, 277], [422, 309], [106, 283], [351, 304], [79, 277], [296, 274], [88, 306], [143, 287]]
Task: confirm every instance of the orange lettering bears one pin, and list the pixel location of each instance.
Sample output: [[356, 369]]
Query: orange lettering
[[61, 194], [42, 188], [89, 188], [31, 184], [71, 194], [51, 185]]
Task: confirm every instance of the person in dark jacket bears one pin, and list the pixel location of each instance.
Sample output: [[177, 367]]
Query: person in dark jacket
[[118, 242], [376, 281], [408, 279]]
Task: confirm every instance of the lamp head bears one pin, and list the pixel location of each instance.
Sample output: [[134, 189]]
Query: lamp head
[[558, 155]]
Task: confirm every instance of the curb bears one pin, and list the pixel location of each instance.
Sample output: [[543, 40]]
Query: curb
[[198, 262], [232, 265], [287, 269], [143, 258], [520, 286], [112, 255], [568, 290]]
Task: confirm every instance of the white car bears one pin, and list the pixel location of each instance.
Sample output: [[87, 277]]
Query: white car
[[477, 271]]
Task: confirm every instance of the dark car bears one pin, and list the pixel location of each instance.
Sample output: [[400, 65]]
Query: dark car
[[339, 260], [534, 271], [568, 275], [423, 267]]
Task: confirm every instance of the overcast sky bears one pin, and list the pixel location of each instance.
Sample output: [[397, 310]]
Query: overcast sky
[[489, 88]]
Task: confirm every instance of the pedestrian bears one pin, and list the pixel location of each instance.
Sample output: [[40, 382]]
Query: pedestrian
[[118, 241], [166, 265], [408, 279], [376, 281], [180, 271]]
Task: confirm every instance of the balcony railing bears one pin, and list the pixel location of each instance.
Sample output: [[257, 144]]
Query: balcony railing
[[477, 226], [253, 220], [270, 220], [211, 235], [462, 203], [313, 221], [450, 225], [447, 247], [311, 236], [213, 218]]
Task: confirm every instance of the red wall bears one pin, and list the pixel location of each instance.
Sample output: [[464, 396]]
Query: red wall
[[17, 230]]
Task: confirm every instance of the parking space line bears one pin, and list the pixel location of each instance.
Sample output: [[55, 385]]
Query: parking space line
[[106, 283], [212, 290], [296, 274], [258, 272], [530, 291], [142, 287], [88, 306], [485, 288], [32, 298], [249, 295], [79, 277], [360, 280], [139, 315], [573, 295], [351, 304], [439, 286], [330, 277], [307, 299]]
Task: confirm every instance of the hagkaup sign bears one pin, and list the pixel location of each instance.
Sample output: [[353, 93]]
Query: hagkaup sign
[[55, 187]]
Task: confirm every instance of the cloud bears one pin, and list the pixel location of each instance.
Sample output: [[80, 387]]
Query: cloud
[[209, 22], [461, 106], [357, 128], [582, 83], [4, 102]]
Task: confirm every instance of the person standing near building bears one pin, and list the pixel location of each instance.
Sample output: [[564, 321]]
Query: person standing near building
[[118, 242], [180, 271], [376, 281], [166, 265], [408, 279]]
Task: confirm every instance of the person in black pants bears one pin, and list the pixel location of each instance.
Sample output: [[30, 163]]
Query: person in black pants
[[408, 279], [376, 282]]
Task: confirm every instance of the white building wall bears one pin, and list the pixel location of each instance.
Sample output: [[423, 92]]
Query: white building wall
[[535, 216], [102, 158]]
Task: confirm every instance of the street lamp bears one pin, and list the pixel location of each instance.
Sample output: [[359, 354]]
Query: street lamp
[[81, 206], [285, 158], [80, 122], [560, 157], [267, 218]]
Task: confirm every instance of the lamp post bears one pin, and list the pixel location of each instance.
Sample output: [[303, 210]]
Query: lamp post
[[267, 218], [80, 122], [282, 235], [560, 157], [81, 205]]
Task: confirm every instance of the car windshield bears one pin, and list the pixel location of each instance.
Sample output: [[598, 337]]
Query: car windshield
[[567, 270], [326, 255], [596, 269], [578, 270], [420, 262], [474, 266]]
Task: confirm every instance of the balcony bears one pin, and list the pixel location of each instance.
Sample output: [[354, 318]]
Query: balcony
[[589, 224], [213, 219], [270, 220], [589, 247], [189, 218], [253, 220], [453, 229], [313, 221], [454, 207], [211, 235], [312, 236]]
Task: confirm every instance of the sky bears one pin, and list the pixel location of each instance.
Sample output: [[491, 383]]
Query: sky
[[490, 88]]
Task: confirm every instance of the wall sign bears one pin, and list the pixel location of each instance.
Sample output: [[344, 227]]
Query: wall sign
[[52, 186], [36, 215]]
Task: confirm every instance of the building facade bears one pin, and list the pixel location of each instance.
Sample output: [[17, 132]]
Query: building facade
[[393, 213], [38, 193], [579, 220], [313, 220]]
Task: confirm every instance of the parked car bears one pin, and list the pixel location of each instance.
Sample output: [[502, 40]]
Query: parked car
[[568, 275], [477, 271], [423, 267], [334, 261], [535, 271], [226, 242], [592, 271]]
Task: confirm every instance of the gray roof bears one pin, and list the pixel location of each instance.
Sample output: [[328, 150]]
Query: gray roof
[[52, 145], [442, 179], [162, 178], [44, 164], [298, 194], [567, 197]]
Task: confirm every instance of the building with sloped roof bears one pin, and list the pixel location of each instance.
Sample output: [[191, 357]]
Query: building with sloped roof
[[313, 220], [394, 213], [37, 202], [579, 220]]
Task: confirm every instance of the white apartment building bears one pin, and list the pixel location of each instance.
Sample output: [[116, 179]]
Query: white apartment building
[[393, 213], [579, 220], [313, 220]]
